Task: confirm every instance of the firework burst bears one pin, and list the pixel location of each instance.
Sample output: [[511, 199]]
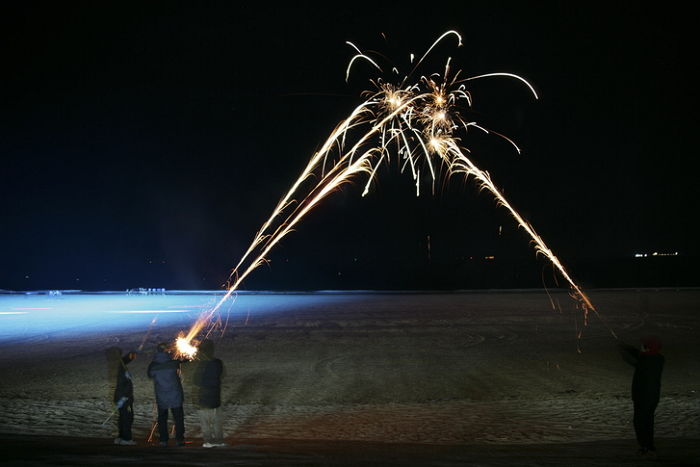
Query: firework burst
[[419, 120]]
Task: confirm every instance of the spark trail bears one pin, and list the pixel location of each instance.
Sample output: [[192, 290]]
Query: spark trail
[[418, 120]]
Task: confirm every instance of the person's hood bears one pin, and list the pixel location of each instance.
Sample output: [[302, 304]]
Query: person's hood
[[161, 357], [652, 345], [128, 357]]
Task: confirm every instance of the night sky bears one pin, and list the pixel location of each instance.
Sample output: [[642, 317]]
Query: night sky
[[144, 143]]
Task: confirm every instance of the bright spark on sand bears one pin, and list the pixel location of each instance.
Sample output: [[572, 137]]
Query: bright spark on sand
[[417, 120]]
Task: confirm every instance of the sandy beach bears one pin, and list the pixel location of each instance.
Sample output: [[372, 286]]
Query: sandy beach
[[491, 378]]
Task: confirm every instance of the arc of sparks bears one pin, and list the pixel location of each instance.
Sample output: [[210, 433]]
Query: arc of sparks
[[464, 164], [339, 174], [357, 57], [420, 122]]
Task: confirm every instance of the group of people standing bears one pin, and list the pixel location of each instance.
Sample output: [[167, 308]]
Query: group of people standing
[[165, 371]]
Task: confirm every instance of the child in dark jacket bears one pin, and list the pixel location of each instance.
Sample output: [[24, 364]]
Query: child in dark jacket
[[124, 400]]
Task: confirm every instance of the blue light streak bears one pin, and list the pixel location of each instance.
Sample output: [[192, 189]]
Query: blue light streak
[[24, 316]]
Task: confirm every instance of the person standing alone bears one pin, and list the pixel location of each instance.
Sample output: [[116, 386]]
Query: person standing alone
[[165, 373], [648, 365]]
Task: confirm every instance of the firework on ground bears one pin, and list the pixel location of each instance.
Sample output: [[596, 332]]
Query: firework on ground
[[418, 119]]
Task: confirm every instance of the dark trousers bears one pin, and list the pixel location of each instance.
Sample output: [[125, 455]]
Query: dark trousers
[[644, 423], [126, 418], [178, 417]]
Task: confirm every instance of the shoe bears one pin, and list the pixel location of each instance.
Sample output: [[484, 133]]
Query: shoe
[[117, 441], [180, 443], [127, 442], [163, 444], [220, 445], [208, 445]]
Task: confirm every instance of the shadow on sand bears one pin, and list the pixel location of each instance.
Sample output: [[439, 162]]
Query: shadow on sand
[[40, 451]]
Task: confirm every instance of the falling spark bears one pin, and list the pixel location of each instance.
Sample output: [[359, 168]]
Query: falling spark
[[148, 332], [417, 120]]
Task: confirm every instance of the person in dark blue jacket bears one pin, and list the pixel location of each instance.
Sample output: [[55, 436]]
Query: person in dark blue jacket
[[165, 373], [124, 400], [648, 364], [207, 380]]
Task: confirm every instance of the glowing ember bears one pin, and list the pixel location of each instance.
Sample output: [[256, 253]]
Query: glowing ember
[[419, 121], [184, 349]]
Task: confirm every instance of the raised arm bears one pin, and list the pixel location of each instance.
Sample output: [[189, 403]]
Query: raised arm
[[629, 353]]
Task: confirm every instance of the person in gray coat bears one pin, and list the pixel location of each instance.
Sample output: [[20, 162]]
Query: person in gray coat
[[165, 373]]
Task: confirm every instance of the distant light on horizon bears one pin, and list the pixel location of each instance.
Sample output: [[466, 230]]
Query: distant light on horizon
[[656, 253]]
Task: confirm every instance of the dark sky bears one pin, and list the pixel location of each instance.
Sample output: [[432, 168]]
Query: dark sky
[[143, 143]]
